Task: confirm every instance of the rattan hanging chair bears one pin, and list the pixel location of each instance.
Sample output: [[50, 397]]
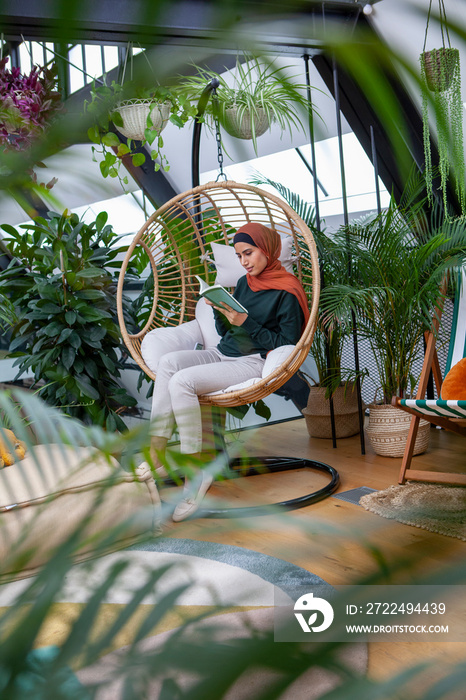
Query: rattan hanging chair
[[176, 240], [176, 243]]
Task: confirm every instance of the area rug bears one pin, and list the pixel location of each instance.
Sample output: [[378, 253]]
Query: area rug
[[439, 509], [241, 581]]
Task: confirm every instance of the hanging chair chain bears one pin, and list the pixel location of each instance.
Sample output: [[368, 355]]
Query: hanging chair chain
[[218, 137]]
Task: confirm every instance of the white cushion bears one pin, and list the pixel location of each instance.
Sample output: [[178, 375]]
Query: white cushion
[[236, 387], [206, 320], [229, 268], [162, 340], [273, 360]]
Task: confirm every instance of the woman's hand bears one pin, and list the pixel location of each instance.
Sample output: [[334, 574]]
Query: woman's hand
[[234, 317]]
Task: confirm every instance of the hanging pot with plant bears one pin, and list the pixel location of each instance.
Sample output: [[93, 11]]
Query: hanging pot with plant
[[139, 115], [250, 98], [441, 88], [245, 124], [140, 120]]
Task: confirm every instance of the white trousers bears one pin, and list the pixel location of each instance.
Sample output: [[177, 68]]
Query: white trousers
[[185, 374]]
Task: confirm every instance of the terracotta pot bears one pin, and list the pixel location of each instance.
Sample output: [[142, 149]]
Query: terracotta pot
[[134, 114], [388, 429], [317, 413]]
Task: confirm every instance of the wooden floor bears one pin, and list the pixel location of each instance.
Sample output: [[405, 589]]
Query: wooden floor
[[339, 541]]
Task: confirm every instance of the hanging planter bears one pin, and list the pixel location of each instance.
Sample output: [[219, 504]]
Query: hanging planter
[[139, 115], [441, 91], [140, 120], [251, 97], [244, 123], [439, 67]]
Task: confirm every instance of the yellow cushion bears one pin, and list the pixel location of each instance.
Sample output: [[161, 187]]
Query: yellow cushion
[[454, 384], [10, 453]]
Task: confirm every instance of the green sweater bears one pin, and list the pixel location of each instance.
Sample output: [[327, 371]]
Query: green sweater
[[274, 318]]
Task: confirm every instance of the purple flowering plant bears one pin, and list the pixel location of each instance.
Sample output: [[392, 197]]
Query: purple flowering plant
[[28, 103]]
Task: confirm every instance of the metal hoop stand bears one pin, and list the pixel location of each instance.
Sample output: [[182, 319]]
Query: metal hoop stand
[[274, 464], [237, 468]]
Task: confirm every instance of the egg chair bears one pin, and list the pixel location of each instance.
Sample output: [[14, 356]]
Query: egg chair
[[190, 236]]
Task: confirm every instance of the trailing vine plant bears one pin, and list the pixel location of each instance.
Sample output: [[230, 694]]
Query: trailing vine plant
[[441, 88]]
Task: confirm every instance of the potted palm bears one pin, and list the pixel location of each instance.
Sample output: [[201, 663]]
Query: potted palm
[[330, 379], [140, 119], [398, 261], [250, 98]]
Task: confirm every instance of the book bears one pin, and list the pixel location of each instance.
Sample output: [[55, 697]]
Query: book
[[218, 295]]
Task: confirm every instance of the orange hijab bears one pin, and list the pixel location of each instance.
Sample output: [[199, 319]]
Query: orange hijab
[[274, 275]]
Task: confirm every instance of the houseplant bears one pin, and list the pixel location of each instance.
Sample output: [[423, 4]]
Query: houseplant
[[62, 285], [250, 98], [399, 259], [140, 114], [331, 378], [441, 88], [28, 105]]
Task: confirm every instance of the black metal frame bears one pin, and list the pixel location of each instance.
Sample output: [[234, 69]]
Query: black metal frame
[[240, 467], [263, 465]]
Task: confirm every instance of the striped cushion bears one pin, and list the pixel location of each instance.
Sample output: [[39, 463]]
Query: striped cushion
[[439, 407]]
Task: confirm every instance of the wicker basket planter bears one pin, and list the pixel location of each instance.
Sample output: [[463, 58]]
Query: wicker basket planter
[[317, 413], [388, 430], [439, 65], [134, 114], [242, 128]]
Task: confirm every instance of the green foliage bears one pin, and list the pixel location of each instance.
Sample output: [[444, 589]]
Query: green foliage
[[61, 282], [441, 86], [7, 312], [104, 109], [398, 262], [256, 84]]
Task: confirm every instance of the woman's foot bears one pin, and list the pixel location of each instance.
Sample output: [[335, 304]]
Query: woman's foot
[[191, 502], [157, 454], [145, 467]]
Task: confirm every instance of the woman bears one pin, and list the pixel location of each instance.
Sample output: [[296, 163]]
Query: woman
[[277, 310]]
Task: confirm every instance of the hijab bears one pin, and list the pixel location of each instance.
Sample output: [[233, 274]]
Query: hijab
[[274, 275]]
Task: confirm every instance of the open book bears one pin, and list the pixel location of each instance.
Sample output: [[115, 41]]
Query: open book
[[218, 295]]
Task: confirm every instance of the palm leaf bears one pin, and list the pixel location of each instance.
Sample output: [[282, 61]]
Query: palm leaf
[[304, 209]]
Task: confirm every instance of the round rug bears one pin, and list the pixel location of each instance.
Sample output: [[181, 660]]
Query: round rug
[[241, 579]]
